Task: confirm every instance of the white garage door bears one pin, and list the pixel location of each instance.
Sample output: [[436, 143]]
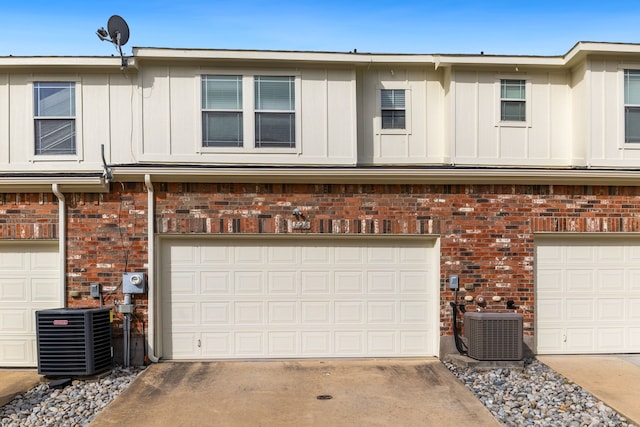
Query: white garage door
[[588, 296], [299, 298], [29, 281]]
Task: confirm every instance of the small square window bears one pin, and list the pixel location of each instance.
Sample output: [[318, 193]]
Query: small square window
[[513, 101], [54, 118], [393, 109]]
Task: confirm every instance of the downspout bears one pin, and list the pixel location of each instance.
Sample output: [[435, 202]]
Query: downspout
[[62, 240], [151, 268]]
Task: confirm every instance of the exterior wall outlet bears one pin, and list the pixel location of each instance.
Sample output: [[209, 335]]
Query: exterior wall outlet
[[94, 291], [453, 282], [469, 286]]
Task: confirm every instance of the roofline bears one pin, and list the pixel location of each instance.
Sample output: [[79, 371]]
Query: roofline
[[576, 53], [579, 50]]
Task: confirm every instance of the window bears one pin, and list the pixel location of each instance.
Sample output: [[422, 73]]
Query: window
[[632, 105], [275, 124], [222, 122], [513, 100], [54, 118], [393, 110]]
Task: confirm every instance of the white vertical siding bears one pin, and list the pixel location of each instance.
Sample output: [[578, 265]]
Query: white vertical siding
[[480, 138]]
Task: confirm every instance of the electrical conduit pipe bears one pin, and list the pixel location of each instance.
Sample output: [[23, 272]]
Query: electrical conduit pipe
[[151, 268]]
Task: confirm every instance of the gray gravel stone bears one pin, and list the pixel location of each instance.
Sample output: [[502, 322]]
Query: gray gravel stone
[[74, 406], [537, 396]]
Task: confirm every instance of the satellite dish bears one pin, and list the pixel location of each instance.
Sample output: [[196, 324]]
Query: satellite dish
[[117, 32]]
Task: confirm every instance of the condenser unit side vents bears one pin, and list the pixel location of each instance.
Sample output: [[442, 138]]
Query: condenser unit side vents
[[494, 336], [73, 341]]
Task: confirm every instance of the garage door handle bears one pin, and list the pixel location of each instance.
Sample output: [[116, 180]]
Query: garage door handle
[[199, 344]]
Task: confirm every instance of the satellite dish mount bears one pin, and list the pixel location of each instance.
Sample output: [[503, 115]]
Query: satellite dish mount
[[117, 32]]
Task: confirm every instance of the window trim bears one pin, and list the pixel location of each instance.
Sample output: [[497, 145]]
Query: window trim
[[79, 154], [527, 101], [379, 130], [249, 111]]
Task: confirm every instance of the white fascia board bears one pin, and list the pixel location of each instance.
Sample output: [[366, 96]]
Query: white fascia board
[[43, 184], [270, 55], [378, 175], [58, 61]]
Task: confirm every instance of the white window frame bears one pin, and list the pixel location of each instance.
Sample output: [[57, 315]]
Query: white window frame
[[407, 108], [249, 111], [204, 110], [622, 126], [527, 101], [32, 156]]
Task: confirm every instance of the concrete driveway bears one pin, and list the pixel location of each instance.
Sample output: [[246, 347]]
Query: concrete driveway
[[395, 392]]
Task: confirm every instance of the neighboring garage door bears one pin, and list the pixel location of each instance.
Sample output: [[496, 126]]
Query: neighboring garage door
[[588, 296], [29, 281], [275, 298]]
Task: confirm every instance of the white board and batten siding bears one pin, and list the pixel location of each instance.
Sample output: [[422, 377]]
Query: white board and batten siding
[[29, 281], [588, 295], [293, 298]]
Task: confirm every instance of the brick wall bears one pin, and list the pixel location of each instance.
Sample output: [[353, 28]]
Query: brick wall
[[486, 231]]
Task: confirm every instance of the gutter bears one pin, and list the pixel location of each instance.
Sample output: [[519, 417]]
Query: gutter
[[62, 240], [151, 268], [377, 175]]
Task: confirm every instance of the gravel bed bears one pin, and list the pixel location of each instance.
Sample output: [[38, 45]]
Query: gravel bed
[[74, 405], [537, 396]]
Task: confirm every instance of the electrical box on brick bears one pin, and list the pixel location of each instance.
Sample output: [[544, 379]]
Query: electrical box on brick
[[133, 283]]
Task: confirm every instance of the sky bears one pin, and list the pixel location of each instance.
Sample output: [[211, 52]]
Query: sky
[[502, 27]]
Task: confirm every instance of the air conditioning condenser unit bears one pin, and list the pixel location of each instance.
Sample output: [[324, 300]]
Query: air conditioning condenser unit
[[73, 341], [493, 336]]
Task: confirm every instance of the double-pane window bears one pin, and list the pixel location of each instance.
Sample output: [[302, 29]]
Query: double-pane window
[[222, 111], [275, 124], [54, 118], [632, 105], [513, 101], [393, 108]]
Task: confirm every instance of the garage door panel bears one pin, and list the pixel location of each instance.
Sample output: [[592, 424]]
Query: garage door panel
[[318, 312], [611, 340], [282, 282], [579, 310], [283, 312], [633, 284], [29, 281], [611, 280], [348, 282], [308, 299], [579, 280], [381, 282], [611, 309], [250, 344], [15, 321], [282, 255], [249, 283], [599, 308], [215, 344], [315, 282], [216, 313], [45, 290], [349, 312], [14, 290], [349, 343], [215, 283], [283, 343]]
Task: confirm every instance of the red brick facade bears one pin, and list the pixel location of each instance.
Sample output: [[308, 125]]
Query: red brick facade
[[486, 231]]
